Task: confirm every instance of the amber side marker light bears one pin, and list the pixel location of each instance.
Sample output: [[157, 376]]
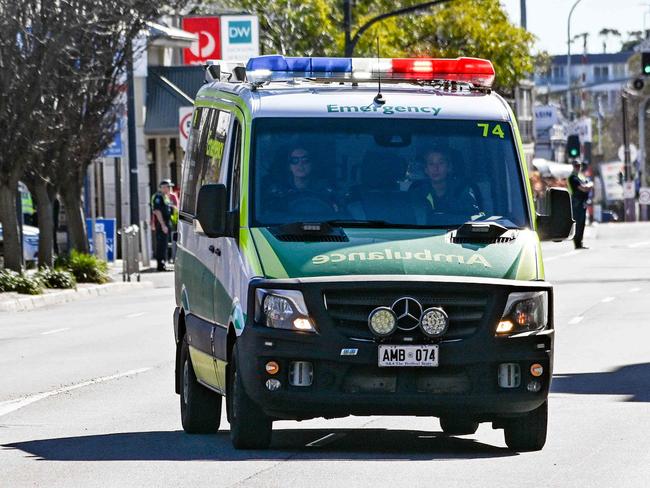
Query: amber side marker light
[[536, 370], [272, 367]]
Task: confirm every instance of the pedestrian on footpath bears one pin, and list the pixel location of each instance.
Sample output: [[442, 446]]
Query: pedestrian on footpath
[[579, 188], [162, 210]]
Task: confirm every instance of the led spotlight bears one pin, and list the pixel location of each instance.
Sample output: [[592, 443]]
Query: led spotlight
[[434, 322], [382, 321]]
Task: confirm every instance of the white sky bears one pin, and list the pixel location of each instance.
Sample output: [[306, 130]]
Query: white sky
[[547, 19]]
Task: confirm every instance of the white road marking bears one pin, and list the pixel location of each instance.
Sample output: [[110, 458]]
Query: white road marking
[[634, 290], [134, 315], [55, 331], [329, 438], [639, 244], [576, 320], [608, 299], [567, 254], [17, 403]]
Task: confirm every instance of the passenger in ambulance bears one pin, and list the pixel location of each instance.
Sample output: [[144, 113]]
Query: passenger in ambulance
[[444, 192]]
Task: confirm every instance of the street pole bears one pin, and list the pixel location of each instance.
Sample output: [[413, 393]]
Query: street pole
[[629, 203], [347, 24], [351, 41], [134, 199], [568, 60], [522, 8]]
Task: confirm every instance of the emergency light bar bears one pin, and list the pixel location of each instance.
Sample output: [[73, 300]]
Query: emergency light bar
[[478, 72]]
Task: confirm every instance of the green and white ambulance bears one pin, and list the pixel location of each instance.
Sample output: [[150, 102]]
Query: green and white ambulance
[[358, 237]]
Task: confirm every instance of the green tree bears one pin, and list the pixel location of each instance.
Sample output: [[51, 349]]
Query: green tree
[[479, 28]]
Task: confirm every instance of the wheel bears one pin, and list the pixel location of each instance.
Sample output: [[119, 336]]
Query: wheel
[[527, 433], [200, 407], [456, 426], [250, 428]]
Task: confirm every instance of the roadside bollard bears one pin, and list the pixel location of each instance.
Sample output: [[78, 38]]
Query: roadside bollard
[[130, 252]]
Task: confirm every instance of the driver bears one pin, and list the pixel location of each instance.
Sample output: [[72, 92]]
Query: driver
[[441, 192], [301, 182]]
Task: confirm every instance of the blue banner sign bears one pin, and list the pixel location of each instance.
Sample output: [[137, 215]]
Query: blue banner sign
[[107, 226]]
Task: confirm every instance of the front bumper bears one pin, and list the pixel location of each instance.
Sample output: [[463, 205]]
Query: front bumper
[[466, 380]]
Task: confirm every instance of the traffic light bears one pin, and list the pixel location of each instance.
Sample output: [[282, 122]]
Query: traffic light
[[573, 146], [645, 63]]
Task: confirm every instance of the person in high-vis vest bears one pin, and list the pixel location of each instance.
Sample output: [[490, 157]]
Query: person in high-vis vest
[[579, 188]]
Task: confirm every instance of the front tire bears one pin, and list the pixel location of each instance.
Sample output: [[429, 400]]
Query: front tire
[[200, 407], [528, 433], [250, 428]]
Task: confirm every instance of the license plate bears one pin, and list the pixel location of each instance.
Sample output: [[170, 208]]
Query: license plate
[[417, 356]]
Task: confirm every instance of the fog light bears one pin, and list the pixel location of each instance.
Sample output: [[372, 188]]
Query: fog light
[[272, 367], [382, 321], [434, 322], [534, 386], [273, 384], [509, 375], [505, 326], [536, 370]]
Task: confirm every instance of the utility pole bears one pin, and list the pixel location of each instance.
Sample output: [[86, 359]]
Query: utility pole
[[351, 41], [522, 8], [134, 199]]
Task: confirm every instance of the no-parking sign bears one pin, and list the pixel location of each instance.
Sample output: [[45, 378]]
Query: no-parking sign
[[644, 195], [184, 125]]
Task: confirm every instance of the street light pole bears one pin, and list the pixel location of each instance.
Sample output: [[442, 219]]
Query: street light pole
[[568, 59], [351, 41]]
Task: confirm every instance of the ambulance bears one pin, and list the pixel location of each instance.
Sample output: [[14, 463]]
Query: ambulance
[[358, 237]]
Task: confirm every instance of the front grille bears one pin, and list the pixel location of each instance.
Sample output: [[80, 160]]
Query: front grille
[[349, 309], [312, 238], [482, 240]]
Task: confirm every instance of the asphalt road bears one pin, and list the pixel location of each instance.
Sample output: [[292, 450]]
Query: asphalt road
[[86, 399]]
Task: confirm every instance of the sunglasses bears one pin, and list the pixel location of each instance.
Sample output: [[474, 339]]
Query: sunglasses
[[299, 159]]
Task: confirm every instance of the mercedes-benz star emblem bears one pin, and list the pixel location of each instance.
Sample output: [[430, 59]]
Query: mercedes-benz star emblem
[[408, 312]]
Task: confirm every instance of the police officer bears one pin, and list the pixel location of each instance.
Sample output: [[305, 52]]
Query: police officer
[[162, 210], [579, 188]]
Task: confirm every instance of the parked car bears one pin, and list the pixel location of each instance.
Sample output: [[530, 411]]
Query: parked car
[[30, 243]]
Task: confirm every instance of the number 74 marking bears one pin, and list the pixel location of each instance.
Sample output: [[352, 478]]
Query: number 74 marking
[[496, 130]]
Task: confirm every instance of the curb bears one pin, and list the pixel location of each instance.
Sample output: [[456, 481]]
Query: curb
[[26, 303]]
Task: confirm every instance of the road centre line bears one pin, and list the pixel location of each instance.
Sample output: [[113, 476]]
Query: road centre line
[[576, 320], [328, 439], [567, 254], [608, 299], [9, 406], [55, 331]]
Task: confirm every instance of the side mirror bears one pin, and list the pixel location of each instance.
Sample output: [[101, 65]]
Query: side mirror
[[212, 209], [558, 223]]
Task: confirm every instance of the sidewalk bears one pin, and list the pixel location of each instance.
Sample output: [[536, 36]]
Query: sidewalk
[[16, 302]]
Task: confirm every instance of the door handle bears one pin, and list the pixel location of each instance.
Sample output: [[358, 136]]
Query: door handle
[[214, 250]]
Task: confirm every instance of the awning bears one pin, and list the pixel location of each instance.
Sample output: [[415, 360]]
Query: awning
[[163, 101]]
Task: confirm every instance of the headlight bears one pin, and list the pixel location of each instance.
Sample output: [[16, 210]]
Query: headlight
[[524, 312], [283, 309]]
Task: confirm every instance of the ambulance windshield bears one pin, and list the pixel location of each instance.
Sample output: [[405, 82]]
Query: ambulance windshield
[[402, 173]]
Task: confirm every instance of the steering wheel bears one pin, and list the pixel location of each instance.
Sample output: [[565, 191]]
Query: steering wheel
[[309, 204]]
